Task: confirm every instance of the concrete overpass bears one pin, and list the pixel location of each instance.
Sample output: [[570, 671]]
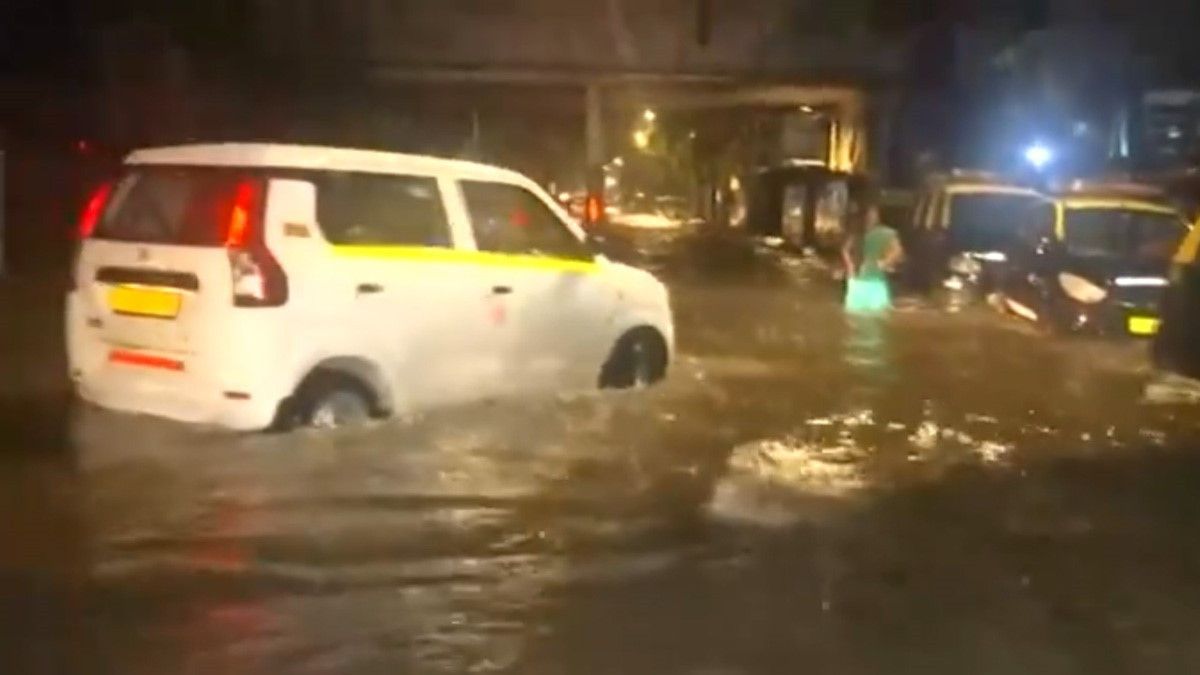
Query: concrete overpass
[[615, 55]]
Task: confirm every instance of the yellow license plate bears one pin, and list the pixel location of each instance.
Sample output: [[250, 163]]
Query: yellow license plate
[[144, 302], [1143, 325]]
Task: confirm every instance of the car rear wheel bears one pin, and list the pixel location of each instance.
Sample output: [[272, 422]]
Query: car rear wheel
[[639, 359], [332, 401]]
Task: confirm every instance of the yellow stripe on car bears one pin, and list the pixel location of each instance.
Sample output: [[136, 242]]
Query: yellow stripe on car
[[431, 254], [1099, 203], [1186, 255], [1125, 204]]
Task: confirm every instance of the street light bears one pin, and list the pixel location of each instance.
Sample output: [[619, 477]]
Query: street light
[[649, 115], [1039, 155], [641, 139]]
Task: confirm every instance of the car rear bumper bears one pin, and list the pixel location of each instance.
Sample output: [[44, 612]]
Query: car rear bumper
[[176, 400], [237, 385], [1109, 318]]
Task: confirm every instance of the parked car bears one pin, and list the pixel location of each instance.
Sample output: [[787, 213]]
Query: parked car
[[962, 225], [642, 211], [248, 285], [1177, 346], [1094, 260]]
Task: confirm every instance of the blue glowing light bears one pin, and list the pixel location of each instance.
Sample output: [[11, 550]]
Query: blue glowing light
[[1039, 155]]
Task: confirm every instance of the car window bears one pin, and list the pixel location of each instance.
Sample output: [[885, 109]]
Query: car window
[[511, 219], [1037, 224], [1124, 233], [985, 221], [918, 217], [933, 216], [376, 209], [180, 206]]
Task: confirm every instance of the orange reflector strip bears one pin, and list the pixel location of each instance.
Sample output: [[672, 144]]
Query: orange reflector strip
[[147, 360]]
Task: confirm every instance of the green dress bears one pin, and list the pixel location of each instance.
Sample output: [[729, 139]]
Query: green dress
[[868, 291]]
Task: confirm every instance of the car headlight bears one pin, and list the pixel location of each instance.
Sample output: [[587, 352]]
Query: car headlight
[[1140, 282], [991, 256], [1080, 289], [965, 265]]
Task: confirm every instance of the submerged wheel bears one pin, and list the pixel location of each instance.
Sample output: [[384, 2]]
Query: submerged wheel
[[639, 359], [332, 401]]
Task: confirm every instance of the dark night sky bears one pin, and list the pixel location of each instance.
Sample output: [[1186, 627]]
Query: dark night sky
[[55, 36], [37, 35]]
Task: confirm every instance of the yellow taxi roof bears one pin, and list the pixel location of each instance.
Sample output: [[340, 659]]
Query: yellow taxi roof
[[1116, 201], [976, 187], [968, 180]]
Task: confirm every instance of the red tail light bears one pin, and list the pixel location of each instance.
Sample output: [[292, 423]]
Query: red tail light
[[258, 280], [238, 229], [593, 210], [93, 209]]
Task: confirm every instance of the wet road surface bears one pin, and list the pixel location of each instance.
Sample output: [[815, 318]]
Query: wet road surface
[[934, 492]]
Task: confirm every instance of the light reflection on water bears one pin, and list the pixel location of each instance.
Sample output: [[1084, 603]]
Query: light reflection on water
[[868, 350]]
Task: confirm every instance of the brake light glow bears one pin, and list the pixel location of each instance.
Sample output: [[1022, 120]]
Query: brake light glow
[[93, 209], [257, 278], [238, 228], [131, 358], [593, 209]]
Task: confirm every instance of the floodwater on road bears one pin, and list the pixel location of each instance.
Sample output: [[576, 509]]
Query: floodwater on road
[[930, 492]]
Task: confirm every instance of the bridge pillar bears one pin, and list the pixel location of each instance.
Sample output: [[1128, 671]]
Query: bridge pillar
[[596, 155]]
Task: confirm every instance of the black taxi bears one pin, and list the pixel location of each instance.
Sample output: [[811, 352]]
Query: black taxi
[[961, 227], [1094, 259]]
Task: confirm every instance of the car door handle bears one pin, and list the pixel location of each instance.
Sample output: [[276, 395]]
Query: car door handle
[[501, 290], [368, 289]]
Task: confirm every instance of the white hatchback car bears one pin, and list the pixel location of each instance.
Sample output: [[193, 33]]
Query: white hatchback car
[[249, 285]]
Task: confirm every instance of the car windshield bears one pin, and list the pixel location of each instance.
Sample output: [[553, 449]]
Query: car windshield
[[1122, 233], [985, 221]]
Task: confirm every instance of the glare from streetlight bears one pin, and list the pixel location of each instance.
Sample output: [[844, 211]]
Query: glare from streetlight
[[641, 139], [649, 115], [618, 161], [1039, 155]]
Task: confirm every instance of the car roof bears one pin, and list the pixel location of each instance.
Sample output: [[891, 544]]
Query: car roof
[[1116, 201], [969, 180], [1121, 204], [977, 187], [323, 158]]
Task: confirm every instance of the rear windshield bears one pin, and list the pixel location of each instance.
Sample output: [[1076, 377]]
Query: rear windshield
[[986, 221], [169, 205]]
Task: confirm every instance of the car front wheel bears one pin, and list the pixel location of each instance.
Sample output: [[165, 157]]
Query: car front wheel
[[639, 359]]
